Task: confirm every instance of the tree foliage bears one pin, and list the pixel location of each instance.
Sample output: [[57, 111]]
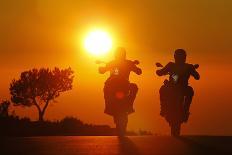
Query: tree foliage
[[39, 87]]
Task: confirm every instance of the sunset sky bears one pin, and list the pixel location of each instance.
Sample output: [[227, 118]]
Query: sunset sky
[[49, 33]]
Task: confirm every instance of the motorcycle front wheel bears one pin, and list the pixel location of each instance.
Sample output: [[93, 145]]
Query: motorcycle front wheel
[[121, 124]]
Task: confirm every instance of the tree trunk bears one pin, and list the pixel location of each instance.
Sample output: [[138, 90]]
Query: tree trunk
[[39, 111], [41, 117], [42, 112]]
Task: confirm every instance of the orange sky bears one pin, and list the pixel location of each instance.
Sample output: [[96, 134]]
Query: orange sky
[[42, 33]]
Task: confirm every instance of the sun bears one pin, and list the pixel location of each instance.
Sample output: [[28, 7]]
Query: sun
[[98, 42]]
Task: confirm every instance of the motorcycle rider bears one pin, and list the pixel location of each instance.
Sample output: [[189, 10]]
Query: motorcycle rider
[[180, 72], [119, 68]]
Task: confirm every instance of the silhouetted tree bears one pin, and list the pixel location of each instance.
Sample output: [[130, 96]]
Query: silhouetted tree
[[39, 87], [4, 108], [72, 122]]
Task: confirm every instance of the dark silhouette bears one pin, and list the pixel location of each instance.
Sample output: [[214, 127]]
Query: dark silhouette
[[12, 125], [39, 87], [176, 95], [4, 108], [36, 87], [119, 93]]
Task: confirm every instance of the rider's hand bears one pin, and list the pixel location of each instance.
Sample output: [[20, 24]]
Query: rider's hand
[[139, 71], [158, 72], [101, 70]]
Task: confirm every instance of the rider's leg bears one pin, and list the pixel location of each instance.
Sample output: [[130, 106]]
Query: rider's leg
[[187, 102], [131, 98], [108, 98], [163, 99], [189, 92]]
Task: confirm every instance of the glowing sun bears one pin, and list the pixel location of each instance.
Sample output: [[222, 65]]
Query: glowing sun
[[98, 42]]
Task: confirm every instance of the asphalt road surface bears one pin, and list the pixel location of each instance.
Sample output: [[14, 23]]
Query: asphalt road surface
[[110, 145]]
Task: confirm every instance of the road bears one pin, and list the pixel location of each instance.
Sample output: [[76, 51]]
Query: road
[[110, 145]]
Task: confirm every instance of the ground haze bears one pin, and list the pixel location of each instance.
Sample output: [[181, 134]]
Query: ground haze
[[108, 145]]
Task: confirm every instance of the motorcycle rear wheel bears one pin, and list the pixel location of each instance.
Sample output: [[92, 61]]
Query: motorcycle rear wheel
[[175, 129]]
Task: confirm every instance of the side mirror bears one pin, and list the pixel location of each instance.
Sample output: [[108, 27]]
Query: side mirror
[[136, 62], [158, 64], [196, 66]]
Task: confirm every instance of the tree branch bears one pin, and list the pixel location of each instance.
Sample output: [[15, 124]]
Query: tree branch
[[36, 104], [45, 106]]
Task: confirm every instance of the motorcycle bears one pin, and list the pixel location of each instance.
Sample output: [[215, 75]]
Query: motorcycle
[[175, 112], [117, 104]]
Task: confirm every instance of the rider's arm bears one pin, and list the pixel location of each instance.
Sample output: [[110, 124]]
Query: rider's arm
[[164, 70], [102, 70], [194, 73], [136, 69]]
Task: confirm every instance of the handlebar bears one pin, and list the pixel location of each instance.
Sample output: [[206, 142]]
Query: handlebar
[[196, 66], [136, 62], [158, 64]]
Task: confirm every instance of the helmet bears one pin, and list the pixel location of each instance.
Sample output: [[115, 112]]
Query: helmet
[[180, 56], [120, 53]]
